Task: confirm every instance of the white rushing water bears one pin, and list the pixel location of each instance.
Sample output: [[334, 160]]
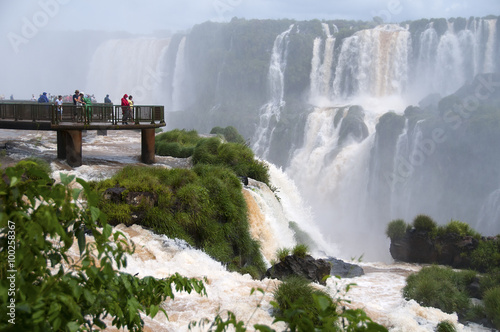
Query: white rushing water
[[270, 112], [378, 292]]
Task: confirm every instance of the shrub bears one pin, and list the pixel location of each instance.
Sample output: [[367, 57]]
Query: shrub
[[239, 158], [460, 228], [424, 223], [486, 256], [282, 253], [446, 326], [491, 301], [33, 167], [296, 292], [396, 229], [230, 134], [438, 287], [300, 250], [176, 143]]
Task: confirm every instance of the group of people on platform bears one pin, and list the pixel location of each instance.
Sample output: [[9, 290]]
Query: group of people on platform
[[84, 101]]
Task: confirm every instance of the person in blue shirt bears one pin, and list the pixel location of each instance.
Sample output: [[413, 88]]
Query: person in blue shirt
[[43, 98], [107, 100]]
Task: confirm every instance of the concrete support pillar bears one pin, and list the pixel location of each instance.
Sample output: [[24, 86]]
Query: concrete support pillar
[[148, 145], [74, 147], [61, 144]]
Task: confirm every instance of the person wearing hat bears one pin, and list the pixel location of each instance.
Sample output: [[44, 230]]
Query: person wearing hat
[[43, 98], [125, 109]]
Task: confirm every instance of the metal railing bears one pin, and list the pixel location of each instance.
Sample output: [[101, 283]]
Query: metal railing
[[95, 113]]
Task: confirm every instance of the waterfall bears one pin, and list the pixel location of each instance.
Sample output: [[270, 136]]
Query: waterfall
[[489, 215], [128, 66], [321, 71], [270, 112], [489, 56], [449, 64], [178, 83], [373, 62]]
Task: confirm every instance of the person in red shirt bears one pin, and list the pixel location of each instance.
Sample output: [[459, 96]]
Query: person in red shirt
[[125, 109]]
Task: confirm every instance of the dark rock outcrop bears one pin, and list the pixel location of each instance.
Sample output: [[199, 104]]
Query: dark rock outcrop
[[345, 270], [420, 247], [308, 267]]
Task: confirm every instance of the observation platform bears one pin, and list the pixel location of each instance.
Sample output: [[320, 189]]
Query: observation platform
[[75, 119]]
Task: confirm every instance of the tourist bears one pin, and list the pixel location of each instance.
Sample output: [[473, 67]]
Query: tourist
[[43, 98], [77, 103], [107, 100], [125, 109], [131, 104], [59, 107], [87, 104]]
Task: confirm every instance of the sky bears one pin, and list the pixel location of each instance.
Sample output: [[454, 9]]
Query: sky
[[147, 16]]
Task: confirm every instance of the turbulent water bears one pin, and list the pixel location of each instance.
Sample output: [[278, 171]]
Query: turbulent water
[[378, 291]]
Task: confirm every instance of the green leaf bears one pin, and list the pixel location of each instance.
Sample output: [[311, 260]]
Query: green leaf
[[66, 179], [80, 234]]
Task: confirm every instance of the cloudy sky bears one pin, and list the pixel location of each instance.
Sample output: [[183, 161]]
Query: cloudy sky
[[145, 16]]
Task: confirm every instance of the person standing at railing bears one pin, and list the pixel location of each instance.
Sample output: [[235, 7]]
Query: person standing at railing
[[77, 102], [43, 98], [107, 100], [87, 102], [125, 109], [131, 104], [59, 107]]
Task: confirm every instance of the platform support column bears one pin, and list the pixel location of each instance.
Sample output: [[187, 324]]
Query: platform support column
[[61, 144], [148, 145], [74, 147]]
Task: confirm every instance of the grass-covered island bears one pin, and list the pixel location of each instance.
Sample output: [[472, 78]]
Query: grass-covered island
[[457, 245], [42, 219]]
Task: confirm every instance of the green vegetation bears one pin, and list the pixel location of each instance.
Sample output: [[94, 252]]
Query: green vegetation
[[446, 326], [424, 223], [234, 155], [492, 305], [52, 291], [305, 308], [447, 290], [486, 256], [229, 133], [460, 228], [176, 143], [203, 206], [282, 253], [300, 250], [239, 158], [440, 288], [396, 229]]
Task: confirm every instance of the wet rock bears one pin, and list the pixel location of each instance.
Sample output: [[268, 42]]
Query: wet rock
[[307, 267], [345, 270]]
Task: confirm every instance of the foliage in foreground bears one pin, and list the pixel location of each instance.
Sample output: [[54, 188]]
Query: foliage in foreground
[[203, 206], [40, 220]]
